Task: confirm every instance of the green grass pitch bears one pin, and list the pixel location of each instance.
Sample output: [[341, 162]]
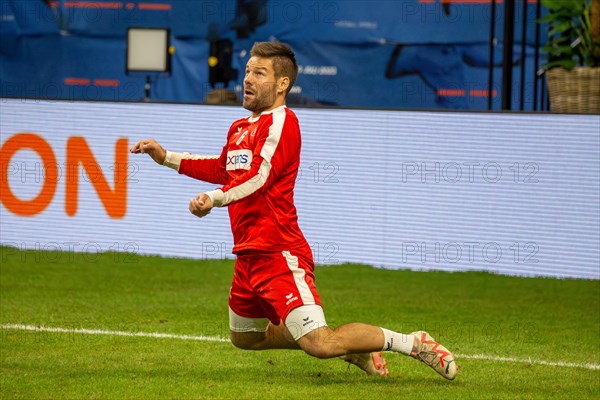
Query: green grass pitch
[[525, 338]]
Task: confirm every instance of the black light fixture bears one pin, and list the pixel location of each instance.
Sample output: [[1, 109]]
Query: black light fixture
[[148, 51], [219, 63]]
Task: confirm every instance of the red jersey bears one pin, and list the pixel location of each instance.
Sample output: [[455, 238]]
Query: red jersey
[[257, 168]]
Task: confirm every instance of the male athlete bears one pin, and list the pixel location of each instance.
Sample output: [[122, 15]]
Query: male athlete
[[273, 301]]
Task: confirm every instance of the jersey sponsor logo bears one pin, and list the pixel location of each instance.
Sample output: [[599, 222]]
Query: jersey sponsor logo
[[238, 159]]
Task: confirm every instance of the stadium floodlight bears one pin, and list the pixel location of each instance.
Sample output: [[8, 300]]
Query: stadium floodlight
[[148, 51]]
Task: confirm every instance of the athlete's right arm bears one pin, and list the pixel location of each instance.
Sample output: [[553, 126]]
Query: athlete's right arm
[[205, 168]]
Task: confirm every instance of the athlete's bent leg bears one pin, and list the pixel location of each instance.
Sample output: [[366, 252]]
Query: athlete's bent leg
[[275, 337], [259, 333], [358, 343], [361, 344]]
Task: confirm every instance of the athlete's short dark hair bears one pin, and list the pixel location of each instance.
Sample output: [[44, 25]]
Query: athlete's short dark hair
[[284, 59]]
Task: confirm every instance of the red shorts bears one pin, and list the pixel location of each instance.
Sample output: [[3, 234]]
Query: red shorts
[[270, 285]]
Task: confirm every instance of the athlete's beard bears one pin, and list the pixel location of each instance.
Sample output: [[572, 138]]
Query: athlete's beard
[[261, 101]]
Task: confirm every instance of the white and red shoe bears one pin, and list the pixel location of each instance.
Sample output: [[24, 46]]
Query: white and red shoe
[[434, 354]]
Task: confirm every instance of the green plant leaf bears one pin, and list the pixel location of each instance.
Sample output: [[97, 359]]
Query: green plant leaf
[[552, 4], [565, 8], [567, 51], [566, 64], [574, 7], [560, 28], [560, 40], [546, 18], [569, 34]]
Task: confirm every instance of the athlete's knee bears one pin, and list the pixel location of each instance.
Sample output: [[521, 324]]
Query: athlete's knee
[[238, 341], [247, 340]]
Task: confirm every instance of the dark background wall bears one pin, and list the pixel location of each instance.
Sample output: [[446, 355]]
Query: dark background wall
[[415, 54]]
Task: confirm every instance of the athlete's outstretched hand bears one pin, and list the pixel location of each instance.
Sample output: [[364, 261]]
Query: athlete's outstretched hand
[[201, 205], [150, 147]]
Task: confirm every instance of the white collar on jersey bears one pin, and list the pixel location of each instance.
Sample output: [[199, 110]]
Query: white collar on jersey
[[254, 119]]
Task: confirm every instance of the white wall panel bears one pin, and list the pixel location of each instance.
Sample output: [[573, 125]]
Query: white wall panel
[[507, 193]]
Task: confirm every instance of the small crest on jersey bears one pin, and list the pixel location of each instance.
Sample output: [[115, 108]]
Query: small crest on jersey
[[238, 159]]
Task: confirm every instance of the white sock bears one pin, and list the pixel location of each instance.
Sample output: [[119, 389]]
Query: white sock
[[398, 342]]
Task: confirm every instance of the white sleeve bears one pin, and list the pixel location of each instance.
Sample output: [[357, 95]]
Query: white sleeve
[[173, 160]]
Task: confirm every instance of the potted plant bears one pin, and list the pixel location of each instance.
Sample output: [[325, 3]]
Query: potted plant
[[573, 48]]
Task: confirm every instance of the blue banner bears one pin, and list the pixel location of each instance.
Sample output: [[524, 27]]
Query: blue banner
[[352, 53]]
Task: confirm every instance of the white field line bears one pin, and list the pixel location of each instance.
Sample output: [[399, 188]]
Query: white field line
[[486, 357], [220, 339], [114, 333]]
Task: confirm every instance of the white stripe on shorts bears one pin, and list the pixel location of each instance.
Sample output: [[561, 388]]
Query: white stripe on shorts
[[299, 274]]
